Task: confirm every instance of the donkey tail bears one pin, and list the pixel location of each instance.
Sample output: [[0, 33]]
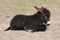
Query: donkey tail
[[7, 29]]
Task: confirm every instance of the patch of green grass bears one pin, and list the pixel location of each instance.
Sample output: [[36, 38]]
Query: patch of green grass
[[24, 6], [18, 6], [31, 1], [50, 2]]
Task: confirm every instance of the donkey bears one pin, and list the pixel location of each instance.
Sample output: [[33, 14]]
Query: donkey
[[36, 22]]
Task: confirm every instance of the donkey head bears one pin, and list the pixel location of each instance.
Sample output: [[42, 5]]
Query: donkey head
[[45, 12]]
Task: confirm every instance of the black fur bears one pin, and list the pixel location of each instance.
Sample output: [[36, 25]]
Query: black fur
[[34, 22]]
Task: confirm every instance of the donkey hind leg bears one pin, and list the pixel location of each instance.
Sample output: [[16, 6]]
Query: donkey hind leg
[[26, 29], [34, 30]]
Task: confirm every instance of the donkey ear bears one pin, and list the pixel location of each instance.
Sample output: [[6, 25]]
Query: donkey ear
[[42, 8], [39, 9], [36, 7]]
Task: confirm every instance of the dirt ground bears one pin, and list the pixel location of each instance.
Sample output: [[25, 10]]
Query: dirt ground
[[10, 8]]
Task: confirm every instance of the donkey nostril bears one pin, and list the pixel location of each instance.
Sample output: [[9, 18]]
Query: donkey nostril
[[48, 24]]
